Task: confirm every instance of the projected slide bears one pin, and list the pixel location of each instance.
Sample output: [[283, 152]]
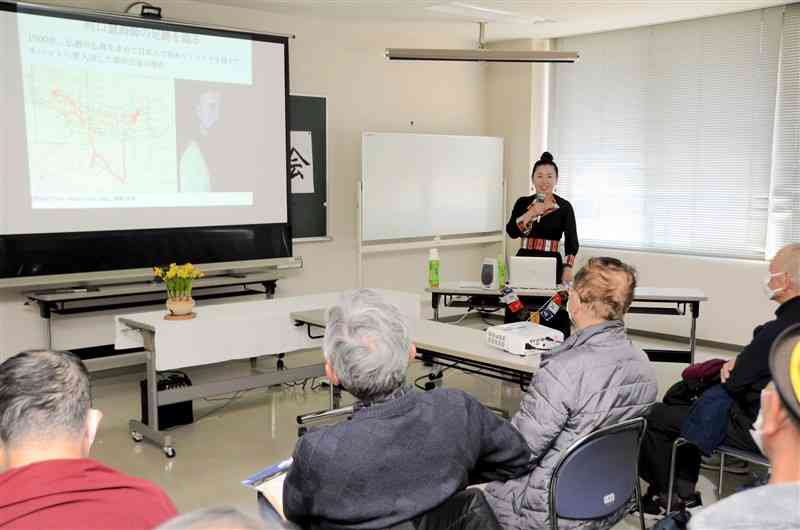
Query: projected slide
[[132, 118], [106, 126]]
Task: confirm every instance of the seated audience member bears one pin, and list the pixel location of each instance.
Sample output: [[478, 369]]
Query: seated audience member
[[47, 428], [222, 518], [404, 452], [597, 378], [777, 433], [742, 379]]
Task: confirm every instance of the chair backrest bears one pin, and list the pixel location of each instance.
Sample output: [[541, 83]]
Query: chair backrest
[[598, 474]]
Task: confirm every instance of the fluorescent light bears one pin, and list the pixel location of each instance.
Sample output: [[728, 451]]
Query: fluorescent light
[[485, 14], [501, 56]]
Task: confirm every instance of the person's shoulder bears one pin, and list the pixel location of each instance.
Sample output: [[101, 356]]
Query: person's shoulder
[[523, 200], [453, 400], [772, 506], [114, 475], [323, 441], [562, 202], [450, 396]]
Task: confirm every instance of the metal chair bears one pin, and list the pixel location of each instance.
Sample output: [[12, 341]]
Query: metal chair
[[747, 456], [598, 475], [723, 450]]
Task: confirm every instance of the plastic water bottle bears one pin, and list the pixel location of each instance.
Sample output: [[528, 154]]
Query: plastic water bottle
[[512, 301], [433, 268], [501, 270], [548, 310]]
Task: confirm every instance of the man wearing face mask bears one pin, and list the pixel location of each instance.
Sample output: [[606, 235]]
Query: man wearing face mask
[[596, 378], [46, 430], [743, 378], [777, 433]]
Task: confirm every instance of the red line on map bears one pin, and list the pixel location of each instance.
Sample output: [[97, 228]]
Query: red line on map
[[72, 109]]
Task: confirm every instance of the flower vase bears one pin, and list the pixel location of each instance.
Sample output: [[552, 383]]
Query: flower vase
[[180, 308]]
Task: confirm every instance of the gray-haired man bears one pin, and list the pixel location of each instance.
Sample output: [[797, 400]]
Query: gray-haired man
[[404, 452], [47, 427]]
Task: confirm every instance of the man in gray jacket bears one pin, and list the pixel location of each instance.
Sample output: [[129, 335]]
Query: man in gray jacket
[[595, 379]]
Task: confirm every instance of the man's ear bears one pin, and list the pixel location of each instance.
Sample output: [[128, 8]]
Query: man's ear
[[332, 377], [92, 424], [412, 352], [775, 416]]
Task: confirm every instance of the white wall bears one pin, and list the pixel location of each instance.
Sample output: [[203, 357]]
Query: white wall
[[736, 302], [344, 61]]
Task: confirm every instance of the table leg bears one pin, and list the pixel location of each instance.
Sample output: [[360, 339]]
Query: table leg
[[693, 334], [435, 300], [140, 431], [510, 398]]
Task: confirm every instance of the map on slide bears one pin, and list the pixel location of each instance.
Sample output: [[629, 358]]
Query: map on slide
[[95, 133]]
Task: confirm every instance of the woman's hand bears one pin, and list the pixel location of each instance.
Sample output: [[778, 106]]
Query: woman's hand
[[566, 275], [536, 209]]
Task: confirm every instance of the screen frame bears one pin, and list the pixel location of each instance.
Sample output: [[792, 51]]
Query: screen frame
[[136, 270]]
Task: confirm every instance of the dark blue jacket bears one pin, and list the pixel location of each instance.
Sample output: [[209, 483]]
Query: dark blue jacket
[[396, 460]]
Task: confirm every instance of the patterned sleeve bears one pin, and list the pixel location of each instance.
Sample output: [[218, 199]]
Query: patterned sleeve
[[571, 244], [515, 229]]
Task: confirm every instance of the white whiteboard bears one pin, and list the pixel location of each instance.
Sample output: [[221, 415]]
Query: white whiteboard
[[419, 185]]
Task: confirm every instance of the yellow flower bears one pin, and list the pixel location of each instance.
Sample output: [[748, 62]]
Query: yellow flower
[[157, 272]]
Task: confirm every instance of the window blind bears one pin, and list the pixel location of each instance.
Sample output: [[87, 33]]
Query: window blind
[[663, 134], [784, 211]]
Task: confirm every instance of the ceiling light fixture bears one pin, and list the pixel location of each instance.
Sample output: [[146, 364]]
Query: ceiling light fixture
[[481, 54], [464, 11]]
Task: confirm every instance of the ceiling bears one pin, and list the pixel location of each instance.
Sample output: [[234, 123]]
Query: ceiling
[[511, 19]]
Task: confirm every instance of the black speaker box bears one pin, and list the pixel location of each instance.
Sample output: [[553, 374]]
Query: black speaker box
[[169, 415]]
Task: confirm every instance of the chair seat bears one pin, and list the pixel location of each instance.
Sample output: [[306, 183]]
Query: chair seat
[[756, 458]]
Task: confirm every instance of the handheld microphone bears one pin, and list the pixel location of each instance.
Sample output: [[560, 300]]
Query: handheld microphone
[[539, 198]]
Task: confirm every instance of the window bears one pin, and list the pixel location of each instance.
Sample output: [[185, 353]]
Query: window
[[663, 134]]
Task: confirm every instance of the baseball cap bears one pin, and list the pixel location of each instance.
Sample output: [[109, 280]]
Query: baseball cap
[[784, 364]]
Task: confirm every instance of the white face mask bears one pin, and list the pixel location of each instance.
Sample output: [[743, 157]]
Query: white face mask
[[569, 309], [757, 432], [768, 291]]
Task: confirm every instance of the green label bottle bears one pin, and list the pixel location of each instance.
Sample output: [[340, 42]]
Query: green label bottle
[[433, 268], [501, 271]]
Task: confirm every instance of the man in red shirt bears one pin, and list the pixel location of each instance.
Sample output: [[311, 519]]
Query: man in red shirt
[[46, 430]]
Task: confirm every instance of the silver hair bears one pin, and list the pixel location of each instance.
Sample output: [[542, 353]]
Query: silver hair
[[224, 517], [43, 394], [367, 342], [791, 263]]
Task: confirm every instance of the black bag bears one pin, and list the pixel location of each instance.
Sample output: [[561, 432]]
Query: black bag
[[674, 521], [169, 415], [686, 392]]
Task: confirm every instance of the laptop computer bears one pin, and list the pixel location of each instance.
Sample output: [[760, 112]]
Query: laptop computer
[[532, 273]]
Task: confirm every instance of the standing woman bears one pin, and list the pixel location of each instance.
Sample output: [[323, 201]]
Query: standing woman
[[540, 220]]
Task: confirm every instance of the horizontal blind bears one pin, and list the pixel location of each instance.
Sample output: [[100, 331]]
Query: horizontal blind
[[663, 134], [784, 226]]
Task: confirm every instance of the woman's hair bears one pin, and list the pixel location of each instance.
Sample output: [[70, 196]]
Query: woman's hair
[[545, 160]]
